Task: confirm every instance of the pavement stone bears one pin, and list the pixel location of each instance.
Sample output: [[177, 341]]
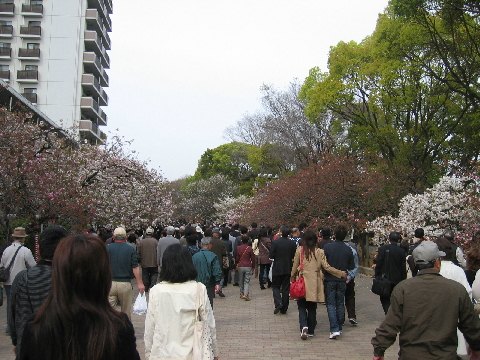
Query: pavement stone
[[248, 330]]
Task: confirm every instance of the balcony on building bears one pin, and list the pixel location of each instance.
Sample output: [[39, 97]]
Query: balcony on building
[[30, 32], [103, 98], [108, 22], [92, 64], [93, 43], [109, 6], [29, 54], [6, 31], [89, 108], [27, 76], [30, 10], [94, 20], [32, 97], [103, 118], [105, 59], [7, 9], [91, 85], [5, 75], [90, 131], [104, 78], [5, 53]]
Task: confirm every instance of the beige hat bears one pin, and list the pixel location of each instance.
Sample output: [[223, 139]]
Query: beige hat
[[120, 233], [19, 232]]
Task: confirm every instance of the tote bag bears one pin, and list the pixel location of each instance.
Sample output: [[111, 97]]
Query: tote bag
[[202, 338]]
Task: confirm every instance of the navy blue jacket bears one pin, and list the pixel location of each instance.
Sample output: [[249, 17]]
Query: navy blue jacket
[[340, 256]]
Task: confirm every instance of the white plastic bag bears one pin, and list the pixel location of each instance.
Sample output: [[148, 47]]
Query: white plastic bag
[[270, 276], [140, 306]]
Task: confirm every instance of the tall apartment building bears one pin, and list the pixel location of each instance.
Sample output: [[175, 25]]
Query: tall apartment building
[[54, 53]]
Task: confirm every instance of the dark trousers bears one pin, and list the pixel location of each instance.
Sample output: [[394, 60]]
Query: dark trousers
[[225, 277], [350, 299], [281, 290], [262, 278], [307, 313], [386, 300], [149, 277], [211, 294]]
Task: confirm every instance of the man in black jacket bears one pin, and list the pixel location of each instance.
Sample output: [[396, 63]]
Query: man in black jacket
[[391, 261], [340, 256], [282, 252]]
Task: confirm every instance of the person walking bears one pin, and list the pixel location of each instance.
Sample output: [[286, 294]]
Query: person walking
[[391, 262], [18, 258], [264, 246], [246, 264], [76, 321], [174, 304], [313, 261], [282, 252], [147, 257], [31, 287]]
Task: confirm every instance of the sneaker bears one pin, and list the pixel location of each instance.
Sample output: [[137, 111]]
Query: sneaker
[[310, 335], [242, 296], [277, 309], [221, 294], [304, 333], [246, 298], [334, 335], [353, 321], [236, 284]]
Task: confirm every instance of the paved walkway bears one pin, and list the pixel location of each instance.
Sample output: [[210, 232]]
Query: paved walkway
[[250, 330]]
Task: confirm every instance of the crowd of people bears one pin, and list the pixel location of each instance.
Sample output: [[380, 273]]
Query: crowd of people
[[72, 293]]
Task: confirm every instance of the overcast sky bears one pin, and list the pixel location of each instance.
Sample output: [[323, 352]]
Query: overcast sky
[[182, 71]]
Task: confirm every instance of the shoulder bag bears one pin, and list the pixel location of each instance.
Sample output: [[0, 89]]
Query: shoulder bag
[[297, 287], [5, 271], [202, 337], [381, 284]]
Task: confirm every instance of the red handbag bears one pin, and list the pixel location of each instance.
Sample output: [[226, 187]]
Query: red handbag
[[297, 287]]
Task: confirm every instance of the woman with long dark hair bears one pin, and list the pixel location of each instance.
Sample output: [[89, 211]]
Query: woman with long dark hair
[[76, 320], [173, 307], [314, 262]]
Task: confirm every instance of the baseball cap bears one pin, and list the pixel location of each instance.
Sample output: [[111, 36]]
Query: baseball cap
[[426, 252], [120, 233], [149, 231]]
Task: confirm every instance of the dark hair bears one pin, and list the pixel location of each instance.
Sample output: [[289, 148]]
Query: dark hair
[[340, 232], [177, 265], [326, 232], [395, 237], [236, 226], [81, 281], [254, 225], [285, 230], [243, 229], [302, 226], [428, 265], [49, 239], [446, 246], [262, 233], [132, 238], [473, 259], [405, 245], [269, 230], [189, 230], [449, 235], [225, 233], [192, 239], [419, 233], [208, 232], [245, 238], [310, 241]]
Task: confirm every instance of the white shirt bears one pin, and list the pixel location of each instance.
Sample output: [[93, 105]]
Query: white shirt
[[24, 260], [170, 319]]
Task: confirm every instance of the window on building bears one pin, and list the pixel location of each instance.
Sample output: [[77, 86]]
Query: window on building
[[34, 23], [33, 46], [4, 45], [5, 22], [36, 2], [30, 90], [4, 68], [6, 1], [31, 67]]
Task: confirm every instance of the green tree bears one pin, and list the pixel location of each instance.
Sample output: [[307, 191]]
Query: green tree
[[391, 108]]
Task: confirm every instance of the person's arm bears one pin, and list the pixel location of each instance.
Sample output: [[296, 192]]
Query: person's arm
[[271, 254], [296, 264], [379, 262], [325, 265], [460, 258], [386, 333], [29, 260], [216, 270], [353, 273], [136, 272]]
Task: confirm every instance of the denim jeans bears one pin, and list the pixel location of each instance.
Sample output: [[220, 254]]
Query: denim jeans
[[244, 275], [262, 277], [307, 314], [335, 298]]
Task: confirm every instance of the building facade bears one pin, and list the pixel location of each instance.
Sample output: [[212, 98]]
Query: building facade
[[54, 53]]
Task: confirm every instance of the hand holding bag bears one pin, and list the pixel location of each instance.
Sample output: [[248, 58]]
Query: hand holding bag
[[140, 306], [381, 284], [202, 337], [297, 287]]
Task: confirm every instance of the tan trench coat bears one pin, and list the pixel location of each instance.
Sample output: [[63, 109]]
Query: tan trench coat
[[313, 274]]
